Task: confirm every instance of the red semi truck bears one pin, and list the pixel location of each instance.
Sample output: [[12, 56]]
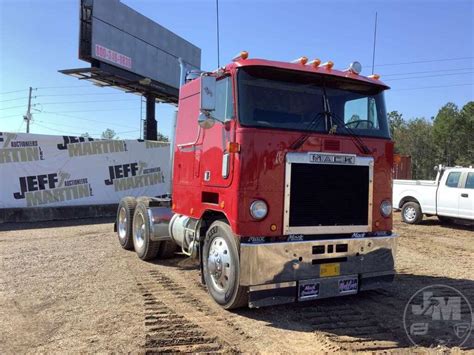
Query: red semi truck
[[281, 184]]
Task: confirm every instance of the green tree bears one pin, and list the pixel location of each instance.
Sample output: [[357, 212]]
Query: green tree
[[162, 138], [465, 127], [415, 138], [396, 122], [85, 135], [447, 134], [109, 134]]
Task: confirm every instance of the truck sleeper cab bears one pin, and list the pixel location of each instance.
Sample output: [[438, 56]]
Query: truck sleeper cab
[[281, 184]]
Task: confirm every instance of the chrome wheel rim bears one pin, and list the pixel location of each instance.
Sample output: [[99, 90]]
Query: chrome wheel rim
[[122, 223], [139, 231], [219, 264], [410, 214]]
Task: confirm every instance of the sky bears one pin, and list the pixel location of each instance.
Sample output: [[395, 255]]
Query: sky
[[424, 51]]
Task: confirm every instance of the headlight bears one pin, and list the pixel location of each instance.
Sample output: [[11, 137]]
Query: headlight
[[386, 208], [258, 209]]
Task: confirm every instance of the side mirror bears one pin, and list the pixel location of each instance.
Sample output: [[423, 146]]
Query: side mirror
[[208, 93], [205, 120]]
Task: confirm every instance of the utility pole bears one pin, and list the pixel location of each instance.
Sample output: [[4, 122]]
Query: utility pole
[[27, 117]]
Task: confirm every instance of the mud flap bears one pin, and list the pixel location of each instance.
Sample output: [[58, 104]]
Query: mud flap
[[263, 296]]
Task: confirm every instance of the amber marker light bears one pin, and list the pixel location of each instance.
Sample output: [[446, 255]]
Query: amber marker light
[[315, 63], [328, 65], [233, 147], [301, 60], [273, 227], [374, 76], [241, 56]]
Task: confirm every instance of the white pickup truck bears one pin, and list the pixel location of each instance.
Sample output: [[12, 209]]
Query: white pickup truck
[[450, 196]]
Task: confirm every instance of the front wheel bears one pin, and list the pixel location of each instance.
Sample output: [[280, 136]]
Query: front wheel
[[411, 213], [221, 266]]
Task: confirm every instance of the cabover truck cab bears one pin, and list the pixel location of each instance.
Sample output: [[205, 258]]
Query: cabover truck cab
[[281, 184]]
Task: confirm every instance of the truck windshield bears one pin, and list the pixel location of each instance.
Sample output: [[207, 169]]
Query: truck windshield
[[284, 99]]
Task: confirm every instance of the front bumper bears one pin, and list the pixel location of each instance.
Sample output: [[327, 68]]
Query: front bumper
[[275, 271]]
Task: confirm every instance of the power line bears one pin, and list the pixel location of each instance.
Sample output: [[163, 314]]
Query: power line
[[63, 87], [83, 119], [82, 94], [427, 71], [83, 102], [17, 115], [12, 92], [18, 98], [11, 107], [99, 110], [433, 87], [74, 133], [424, 61], [429, 76]]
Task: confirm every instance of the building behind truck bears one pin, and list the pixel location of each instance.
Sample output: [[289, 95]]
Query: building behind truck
[[281, 173]]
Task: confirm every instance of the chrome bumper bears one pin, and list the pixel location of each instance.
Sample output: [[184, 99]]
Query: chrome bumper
[[273, 263]]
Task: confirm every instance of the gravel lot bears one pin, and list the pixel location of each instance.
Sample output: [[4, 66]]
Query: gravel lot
[[68, 286]]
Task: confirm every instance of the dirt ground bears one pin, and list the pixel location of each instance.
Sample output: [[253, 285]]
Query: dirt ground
[[69, 287]]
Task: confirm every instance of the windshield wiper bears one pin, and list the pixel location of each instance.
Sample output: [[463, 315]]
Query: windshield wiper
[[356, 139], [330, 128], [303, 137]]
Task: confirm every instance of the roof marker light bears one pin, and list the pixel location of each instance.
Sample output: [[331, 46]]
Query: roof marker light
[[301, 60], [355, 67], [241, 56], [329, 64], [374, 76], [315, 63]]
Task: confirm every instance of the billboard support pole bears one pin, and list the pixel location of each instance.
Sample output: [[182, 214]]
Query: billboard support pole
[[150, 129]]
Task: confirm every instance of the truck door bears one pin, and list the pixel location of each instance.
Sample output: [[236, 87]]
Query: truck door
[[466, 197], [216, 163], [448, 195]]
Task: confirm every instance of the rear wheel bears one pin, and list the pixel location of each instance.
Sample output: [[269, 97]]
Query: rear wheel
[[125, 212], [145, 248], [221, 266], [411, 213]]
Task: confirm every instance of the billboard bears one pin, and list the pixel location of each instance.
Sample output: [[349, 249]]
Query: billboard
[[51, 171], [116, 35]]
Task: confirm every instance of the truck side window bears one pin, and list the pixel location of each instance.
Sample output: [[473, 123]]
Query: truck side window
[[470, 181], [453, 179], [224, 99], [360, 111]]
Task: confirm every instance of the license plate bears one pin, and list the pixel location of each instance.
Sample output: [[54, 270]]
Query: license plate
[[308, 290], [333, 269], [349, 285]]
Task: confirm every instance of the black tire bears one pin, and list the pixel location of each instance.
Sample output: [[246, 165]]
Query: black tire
[[167, 249], [229, 295], [124, 221], [145, 248], [411, 213]]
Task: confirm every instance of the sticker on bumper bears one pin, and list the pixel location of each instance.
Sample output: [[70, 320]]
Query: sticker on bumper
[[349, 285], [308, 290]]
